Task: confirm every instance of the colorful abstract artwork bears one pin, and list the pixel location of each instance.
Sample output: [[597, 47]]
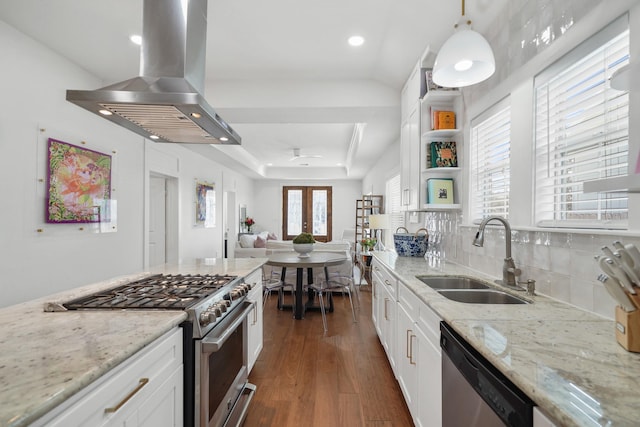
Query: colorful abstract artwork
[[79, 184], [205, 204]]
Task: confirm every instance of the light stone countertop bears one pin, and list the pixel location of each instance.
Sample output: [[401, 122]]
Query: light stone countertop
[[565, 359], [47, 357]]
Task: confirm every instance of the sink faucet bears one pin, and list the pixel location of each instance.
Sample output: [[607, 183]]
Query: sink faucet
[[509, 270]]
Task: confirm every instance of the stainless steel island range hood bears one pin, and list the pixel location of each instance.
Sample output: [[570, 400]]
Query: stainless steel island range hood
[[165, 103]]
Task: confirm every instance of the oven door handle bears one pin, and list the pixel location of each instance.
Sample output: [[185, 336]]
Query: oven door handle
[[212, 342]]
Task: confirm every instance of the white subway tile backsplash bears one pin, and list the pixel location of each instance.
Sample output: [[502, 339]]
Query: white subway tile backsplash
[[560, 286], [582, 293], [562, 263], [560, 260], [603, 303]]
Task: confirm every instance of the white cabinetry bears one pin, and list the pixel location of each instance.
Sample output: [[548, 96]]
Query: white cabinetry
[[439, 100], [255, 320], [410, 142], [386, 294], [419, 358], [145, 390]]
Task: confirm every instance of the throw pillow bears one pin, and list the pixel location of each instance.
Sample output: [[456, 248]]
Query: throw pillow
[[260, 242], [247, 240], [272, 236]]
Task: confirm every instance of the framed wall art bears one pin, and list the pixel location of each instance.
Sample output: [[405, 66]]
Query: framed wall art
[[78, 184], [205, 204]]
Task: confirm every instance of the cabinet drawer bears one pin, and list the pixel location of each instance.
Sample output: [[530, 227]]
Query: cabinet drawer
[[386, 279], [125, 388], [409, 301], [429, 322]]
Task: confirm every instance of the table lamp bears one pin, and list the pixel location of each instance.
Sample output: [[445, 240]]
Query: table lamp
[[378, 223]]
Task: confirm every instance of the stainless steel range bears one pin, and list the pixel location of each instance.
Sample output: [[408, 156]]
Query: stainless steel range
[[216, 387]]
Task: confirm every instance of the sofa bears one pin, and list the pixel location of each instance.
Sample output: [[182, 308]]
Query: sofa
[[263, 244]]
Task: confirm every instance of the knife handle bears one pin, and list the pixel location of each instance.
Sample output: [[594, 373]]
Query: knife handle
[[620, 275], [634, 253], [626, 263]]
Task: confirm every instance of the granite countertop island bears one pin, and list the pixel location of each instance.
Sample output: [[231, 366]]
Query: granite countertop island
[[565, 359], [45, 357]]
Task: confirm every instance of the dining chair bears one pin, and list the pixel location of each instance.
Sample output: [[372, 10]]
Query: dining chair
[[346, 273], [326, 283], [271, 281]]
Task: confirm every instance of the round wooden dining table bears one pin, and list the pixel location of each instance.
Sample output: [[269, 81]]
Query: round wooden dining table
[[316, 259]]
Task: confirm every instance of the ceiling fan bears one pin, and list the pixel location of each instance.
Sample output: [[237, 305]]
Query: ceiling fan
[[297, 155]]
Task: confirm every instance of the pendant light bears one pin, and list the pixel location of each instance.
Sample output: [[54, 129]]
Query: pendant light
[[465, 58]]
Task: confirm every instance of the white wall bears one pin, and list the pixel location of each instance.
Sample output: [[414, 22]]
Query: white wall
[[266, 205], [33, 83], [375, 181]]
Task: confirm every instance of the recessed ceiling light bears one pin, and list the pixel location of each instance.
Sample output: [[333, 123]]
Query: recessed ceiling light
[[269, 164], [105, 112], [224, 138], [154, 137], [136, 39], [356, 40], [196, 115]]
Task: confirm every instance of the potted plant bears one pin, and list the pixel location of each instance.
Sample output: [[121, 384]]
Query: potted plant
[[368, 243], [303, 244]]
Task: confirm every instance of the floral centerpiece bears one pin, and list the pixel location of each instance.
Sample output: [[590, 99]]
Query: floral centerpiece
[[248, 222], [368, 243], [303, 244]]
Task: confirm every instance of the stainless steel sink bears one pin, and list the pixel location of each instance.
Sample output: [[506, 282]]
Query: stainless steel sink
[[452, 282], [481, 296]]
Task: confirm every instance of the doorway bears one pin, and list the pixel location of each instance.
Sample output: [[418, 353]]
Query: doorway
[[230, 221], [163, 220], [306, 210]]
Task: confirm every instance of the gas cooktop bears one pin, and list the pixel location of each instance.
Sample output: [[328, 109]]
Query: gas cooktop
[[170, 292]]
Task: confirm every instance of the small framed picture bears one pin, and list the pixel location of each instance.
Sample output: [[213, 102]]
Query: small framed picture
[[440, 191]]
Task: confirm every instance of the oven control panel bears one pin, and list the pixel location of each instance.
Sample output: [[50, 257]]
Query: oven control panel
[[218, 309]]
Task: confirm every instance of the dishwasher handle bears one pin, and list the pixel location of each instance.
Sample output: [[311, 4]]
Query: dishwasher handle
[[505, 398]]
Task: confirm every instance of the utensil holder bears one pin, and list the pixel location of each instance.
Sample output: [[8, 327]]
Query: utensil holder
[[628, 329]]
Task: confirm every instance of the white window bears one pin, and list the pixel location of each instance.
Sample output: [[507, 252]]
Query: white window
[[490, 162], [393, 208], [582, 133]]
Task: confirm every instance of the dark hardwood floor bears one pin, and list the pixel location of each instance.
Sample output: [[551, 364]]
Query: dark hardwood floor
[[306, 378]]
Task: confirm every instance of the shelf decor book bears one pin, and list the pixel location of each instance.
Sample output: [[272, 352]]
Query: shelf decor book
[[440, 191], [443, 119], [443, 154]]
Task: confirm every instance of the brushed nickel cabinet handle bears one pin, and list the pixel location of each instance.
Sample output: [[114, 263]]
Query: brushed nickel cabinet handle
[[385, 309], [143, 382], [407, 350], [411, 337], [255, 314]]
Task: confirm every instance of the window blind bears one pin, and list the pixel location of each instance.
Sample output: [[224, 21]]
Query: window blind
[[582, 134], [394, 208], [490, 162]]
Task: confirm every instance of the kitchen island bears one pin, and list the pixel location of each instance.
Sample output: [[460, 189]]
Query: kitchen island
[[48, 357], [565, 359]]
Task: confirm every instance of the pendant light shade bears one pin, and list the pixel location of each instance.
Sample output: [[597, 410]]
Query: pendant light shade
[[465, 58]]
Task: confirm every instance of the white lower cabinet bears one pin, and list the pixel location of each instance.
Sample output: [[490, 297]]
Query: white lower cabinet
[[144, 391], [419, 358], [255, 322], [386, 296]]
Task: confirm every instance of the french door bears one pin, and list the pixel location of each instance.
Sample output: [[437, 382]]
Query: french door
[[306, 210]]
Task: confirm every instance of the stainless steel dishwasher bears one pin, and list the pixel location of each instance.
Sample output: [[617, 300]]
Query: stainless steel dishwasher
[[474, 392]]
